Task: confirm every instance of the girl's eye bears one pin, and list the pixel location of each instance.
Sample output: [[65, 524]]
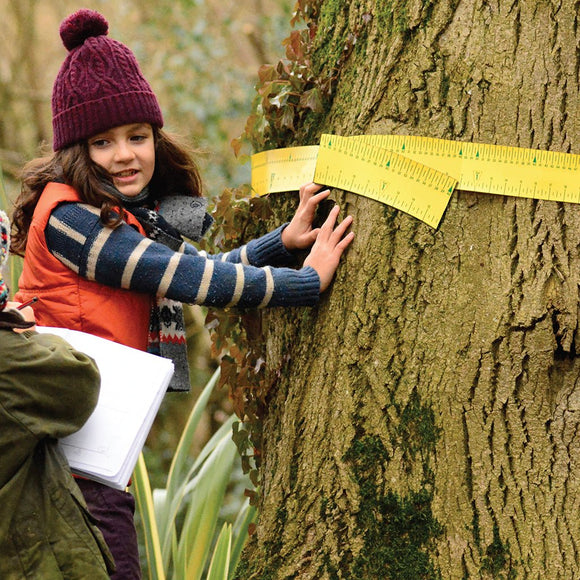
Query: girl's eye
[[138, 138], [98, 143]]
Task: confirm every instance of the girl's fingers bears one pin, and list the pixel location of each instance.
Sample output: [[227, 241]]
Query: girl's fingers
[[330, 220], [311, 202], [336, 235], [318, 198], [309, 189], [341, 228], [308, 194], [345, 242]]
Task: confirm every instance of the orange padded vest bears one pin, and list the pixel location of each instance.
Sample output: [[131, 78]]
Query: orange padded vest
[[67, 300]]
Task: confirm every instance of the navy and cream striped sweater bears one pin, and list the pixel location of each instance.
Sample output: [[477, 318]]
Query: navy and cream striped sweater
[[123, 258]]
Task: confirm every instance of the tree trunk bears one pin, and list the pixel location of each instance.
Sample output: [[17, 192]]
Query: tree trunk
[[424, 419]]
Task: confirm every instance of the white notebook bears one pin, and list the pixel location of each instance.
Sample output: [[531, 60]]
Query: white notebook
[[133, 383]]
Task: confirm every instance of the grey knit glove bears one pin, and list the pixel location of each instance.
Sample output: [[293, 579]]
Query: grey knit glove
[[186, 214]]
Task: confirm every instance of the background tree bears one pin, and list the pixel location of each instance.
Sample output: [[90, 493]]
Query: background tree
[[423, 421]]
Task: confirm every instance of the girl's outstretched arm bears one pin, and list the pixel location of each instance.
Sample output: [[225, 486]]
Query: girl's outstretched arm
[[123, 258]]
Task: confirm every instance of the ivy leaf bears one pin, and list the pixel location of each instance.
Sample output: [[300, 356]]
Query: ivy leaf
[[266, 73], [283, 70], [281, 98], [240, 437], [236, 145], [287, 118], [254, 477], [298, 79], [312, 99], [267, 88], [295, 46], [259, 364], [260, 125]]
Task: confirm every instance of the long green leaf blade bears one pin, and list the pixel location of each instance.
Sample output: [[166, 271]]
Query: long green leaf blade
[[147, 511], [204, 508], [220, 562], [182, 451], [245, 517]]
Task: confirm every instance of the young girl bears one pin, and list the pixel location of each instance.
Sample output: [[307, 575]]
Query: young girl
[[47, 391], [100, 225]]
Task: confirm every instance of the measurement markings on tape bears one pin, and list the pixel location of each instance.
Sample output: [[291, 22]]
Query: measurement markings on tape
[[283, 169], [415, 174], [384, 176], [494, 169]]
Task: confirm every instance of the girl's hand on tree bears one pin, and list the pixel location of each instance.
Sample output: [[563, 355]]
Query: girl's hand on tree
[[298, 234], [328, 247]]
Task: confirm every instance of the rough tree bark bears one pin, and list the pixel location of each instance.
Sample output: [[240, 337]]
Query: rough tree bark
[[424, 421]]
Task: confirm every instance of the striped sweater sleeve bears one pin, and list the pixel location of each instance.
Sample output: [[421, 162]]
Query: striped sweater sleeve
[[123, 258], [267, 250]]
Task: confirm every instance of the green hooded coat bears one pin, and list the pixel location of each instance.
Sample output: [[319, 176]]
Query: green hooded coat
[[47, 391]]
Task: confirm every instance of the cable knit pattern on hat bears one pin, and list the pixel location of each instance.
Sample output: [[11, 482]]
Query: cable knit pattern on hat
[[99, 85]]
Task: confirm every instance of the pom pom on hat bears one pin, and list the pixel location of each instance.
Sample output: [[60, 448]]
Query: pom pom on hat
[[81, 25], [99, 85], [4, 249]]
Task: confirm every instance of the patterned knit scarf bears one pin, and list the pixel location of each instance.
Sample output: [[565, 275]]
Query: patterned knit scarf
[[166, 325], [173, 217]]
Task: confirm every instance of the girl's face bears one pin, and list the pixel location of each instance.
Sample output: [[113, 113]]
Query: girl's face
[[127, 154]]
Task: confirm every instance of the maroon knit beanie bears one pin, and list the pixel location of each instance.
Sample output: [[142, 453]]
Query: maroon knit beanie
[[99, 85]]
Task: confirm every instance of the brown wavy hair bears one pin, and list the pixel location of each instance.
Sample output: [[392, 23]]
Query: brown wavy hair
[[176, 173]]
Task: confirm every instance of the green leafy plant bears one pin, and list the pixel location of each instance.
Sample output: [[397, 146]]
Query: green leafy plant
[[287, 91], [236, 335], [180, 521]]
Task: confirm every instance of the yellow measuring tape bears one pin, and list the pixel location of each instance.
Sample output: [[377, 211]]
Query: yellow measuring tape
[[418, 174], [375, 172]]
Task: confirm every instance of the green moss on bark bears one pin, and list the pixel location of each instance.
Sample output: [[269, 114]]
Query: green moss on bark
[[417, 433], [497, 561], [252, 568], [398, 529]]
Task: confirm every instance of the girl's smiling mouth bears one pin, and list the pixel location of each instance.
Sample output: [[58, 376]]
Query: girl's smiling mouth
[[125, 173]]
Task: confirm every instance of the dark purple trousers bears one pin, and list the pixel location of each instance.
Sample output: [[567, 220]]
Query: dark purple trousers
[[114, 512]]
